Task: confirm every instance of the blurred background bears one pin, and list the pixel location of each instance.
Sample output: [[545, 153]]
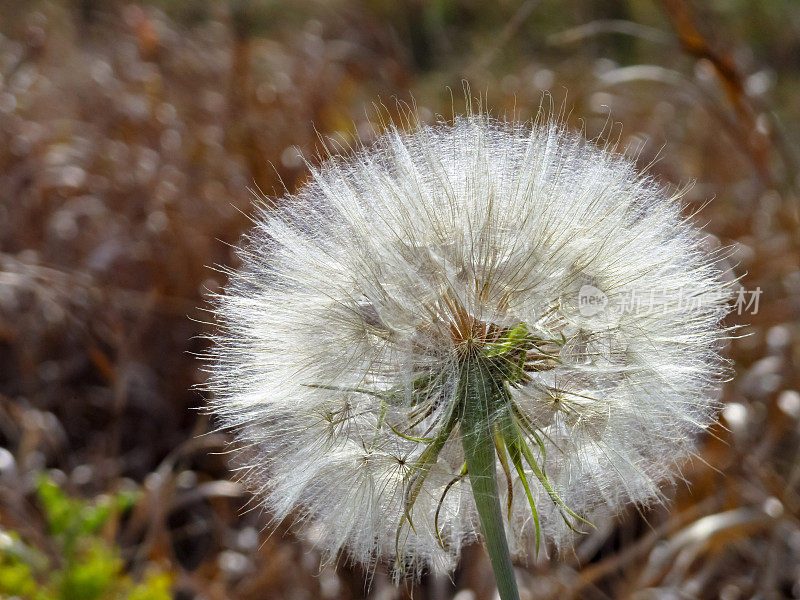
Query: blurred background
[[130, 136]]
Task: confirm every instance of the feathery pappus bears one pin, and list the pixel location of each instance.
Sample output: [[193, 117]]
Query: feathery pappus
[[435, 338]]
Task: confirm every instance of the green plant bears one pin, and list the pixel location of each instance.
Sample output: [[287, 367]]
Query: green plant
[[78, 563]]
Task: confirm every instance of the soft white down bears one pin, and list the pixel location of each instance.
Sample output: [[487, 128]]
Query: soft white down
[[340, 339]]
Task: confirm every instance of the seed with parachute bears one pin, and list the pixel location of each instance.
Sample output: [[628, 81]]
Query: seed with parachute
[[410, 361]]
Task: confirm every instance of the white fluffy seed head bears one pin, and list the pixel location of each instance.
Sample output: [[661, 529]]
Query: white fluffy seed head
[[340, 338]]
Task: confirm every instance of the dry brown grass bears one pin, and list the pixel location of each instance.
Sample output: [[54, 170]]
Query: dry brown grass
[[129, 137]]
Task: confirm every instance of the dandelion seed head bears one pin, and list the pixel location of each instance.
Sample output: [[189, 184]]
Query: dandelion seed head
[[343, 337]]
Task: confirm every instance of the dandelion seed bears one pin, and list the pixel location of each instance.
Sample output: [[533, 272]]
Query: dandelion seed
[[406, 356]]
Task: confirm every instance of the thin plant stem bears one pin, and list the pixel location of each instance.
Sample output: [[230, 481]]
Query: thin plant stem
[[479, 398]]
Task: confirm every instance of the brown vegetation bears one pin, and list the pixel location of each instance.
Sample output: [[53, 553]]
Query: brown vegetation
[[130, 135]]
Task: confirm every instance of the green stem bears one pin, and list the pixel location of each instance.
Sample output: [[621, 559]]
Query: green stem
[[478, 391]]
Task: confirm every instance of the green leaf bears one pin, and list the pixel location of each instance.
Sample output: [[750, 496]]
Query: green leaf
[[512, 442], [156, 587]]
